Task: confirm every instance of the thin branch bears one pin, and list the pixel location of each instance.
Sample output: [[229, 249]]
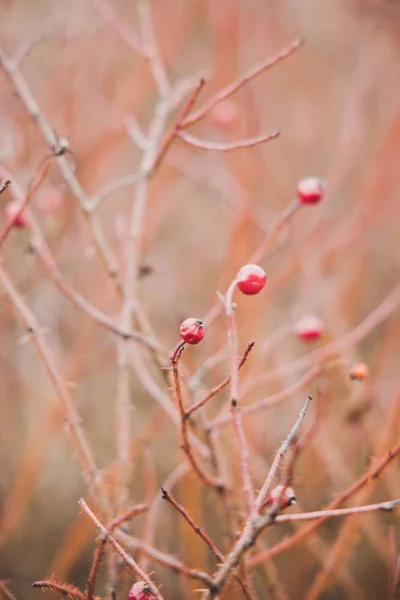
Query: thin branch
[[114, 186], [233, 87], [339, 512], [5, 185], [196, 142], [206, 477], [6, 592], [67, 590], [279, 455], [75, 430], [164, 559], [97, 558], [119, 550], [288, 543], [166, 495], [49, 136], [107, 12], [177, 126], [247, 484], [151, 49], [37, 179], [220, 386]]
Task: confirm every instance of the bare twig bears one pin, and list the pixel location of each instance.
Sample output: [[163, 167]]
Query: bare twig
[[206, 477], [288, 543], [233, 87], [64, 588], [118, 548], [196, 142], [279, 455], [77, 434], [220, 386]]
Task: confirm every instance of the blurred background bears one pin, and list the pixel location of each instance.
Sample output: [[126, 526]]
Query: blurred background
[[336, 102]]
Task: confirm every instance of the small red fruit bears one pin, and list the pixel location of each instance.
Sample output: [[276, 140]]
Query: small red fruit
[[140, 591], [251, 279], [310, 190], [11, 209], [192, 331], [310, 328], [358, 372], [287, 499]]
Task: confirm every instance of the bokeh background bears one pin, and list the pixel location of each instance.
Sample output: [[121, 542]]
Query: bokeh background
[[336, 102]]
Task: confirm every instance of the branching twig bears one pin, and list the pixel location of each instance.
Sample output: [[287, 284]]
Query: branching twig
[[196, 142], [118, 548], [233, 87], [66, 590], [191, 409]]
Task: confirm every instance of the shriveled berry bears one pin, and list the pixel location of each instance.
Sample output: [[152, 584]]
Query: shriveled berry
[[287, 499], [192, 331], [310, 190], [309, 328], [11, 209], [140, 591], [358, 371], [251, 279]]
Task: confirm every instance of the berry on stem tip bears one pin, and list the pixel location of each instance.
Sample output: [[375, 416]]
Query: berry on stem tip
[[309, 328], [140, 591], [288, 497], [192, 331], [310, 190], [251, 279]]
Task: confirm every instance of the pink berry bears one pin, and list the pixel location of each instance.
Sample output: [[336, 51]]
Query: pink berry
[[309, 328], [192, 331], [287, 499], [225, 114], [310, 190], [140, 591], [11, 209], [251, 279]]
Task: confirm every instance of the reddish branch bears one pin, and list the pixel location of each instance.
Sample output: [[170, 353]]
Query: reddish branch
[[198, 468], [67, 590], [220, 386], [233, 87], [288, 543], [131, 563]]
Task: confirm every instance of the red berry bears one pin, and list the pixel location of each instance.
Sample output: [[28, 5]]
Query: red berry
[[192, 331], [309, 328], [11, 209], [140, 591], [287, 499], [358, 372], [310, 190], [251, 279]]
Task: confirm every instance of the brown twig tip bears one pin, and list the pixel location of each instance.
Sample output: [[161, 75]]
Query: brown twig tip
[[6, 184], [66, 590], [164, 493]]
